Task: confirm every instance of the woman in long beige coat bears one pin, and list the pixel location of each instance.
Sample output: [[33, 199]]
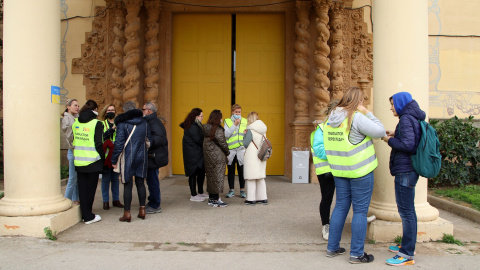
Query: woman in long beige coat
[[254, 168], [215, 151]]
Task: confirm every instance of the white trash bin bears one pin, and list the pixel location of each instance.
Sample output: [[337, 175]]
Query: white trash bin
[[300, 165]]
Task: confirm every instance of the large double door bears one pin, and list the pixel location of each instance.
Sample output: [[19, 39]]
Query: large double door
[[221, 59]]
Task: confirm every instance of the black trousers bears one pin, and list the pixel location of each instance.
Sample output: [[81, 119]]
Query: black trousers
[[231, 174], [196, 180], [87, 186], [214, 197], [127, 192], [327, 188]]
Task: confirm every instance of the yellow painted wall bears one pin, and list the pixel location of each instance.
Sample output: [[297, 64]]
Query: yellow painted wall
[[454, 60], [72, 37]]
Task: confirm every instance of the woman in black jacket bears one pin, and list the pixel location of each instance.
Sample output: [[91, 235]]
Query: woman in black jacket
[[88, 168], [193, 161], [134, 162]]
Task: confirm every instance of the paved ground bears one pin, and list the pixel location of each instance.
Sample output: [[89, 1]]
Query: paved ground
[[286, 234]]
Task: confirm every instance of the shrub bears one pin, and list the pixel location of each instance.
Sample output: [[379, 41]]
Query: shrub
[[63, 171], [460, 153]]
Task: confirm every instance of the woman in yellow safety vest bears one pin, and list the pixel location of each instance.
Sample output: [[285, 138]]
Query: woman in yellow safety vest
[[347, 136], [235, 129], [108, 175], [89, 157]]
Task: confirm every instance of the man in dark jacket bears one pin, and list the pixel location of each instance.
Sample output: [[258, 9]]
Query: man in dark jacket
[[404, 143], [157, 156]]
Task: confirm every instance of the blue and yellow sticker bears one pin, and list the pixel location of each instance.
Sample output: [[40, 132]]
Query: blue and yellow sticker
[[55, 94]]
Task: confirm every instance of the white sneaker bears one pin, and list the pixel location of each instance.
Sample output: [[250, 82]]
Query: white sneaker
[[325, 231], [371, 218], [96, 219], [197, 198], [203, 195]]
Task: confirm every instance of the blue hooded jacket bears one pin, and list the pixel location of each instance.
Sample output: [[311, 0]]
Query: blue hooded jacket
[[407, 133]]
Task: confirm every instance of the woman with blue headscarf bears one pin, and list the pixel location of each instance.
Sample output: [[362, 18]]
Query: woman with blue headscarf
[[404, 142]]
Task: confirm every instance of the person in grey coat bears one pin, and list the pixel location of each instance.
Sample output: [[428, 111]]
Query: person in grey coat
[[135, 157], [215, 151]]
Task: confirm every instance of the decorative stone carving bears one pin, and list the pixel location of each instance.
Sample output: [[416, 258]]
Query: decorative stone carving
[[361, 53], [152, 57], [336, 53], [300, 61], [117, 72], [301, 134], [94, 60], [322, 50], [132, 51]]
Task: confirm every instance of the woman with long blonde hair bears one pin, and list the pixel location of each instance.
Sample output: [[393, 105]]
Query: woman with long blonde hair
[[348, 143], [254, 168]]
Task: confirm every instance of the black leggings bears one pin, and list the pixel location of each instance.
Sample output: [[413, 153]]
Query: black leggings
[[127, 192], [231, 174], [327, 188], [196, 180]]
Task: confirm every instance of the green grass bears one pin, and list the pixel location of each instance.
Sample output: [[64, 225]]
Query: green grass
[[1, 195], [449, 239], [469, 194]]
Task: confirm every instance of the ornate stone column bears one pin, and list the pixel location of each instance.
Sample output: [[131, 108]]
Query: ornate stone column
[[132, 51], [400, 64], [33, 198], [117, 58], [300, 61], [336, 45], [302, 126], [152, 58], [322, 50]]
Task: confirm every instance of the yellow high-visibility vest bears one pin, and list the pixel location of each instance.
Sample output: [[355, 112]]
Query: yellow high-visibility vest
[[84, 151], [236, 140], [321, 165], [106, 126], [346, 159]]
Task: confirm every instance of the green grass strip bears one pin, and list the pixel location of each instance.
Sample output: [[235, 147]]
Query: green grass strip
[[469, 194]]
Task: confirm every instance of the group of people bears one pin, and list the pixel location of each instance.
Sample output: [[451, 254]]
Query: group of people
[[133, 145], [344, 159], [208, 148], [129, 147]]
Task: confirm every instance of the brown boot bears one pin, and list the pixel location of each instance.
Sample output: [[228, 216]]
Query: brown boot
[[141, 212], [117, 204], [126, 216], [106, 206]]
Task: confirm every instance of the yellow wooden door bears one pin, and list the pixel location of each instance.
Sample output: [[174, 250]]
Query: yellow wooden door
[[260, 77], [202, 46]]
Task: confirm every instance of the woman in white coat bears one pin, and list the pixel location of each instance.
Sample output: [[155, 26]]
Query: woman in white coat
[[254, 168]]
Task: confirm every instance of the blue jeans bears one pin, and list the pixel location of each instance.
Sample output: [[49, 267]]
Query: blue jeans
[[153, 188], [356, 192], [71, 191], [110, 176], [405, 196]]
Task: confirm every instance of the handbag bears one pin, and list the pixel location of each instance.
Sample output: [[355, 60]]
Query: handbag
[[119, 163], [265, 150]]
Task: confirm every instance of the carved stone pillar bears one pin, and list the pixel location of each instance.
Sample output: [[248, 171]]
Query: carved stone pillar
[[300, 61], [336, 46], [322, 50], [152, 58], [117, 57], [132, 51]]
